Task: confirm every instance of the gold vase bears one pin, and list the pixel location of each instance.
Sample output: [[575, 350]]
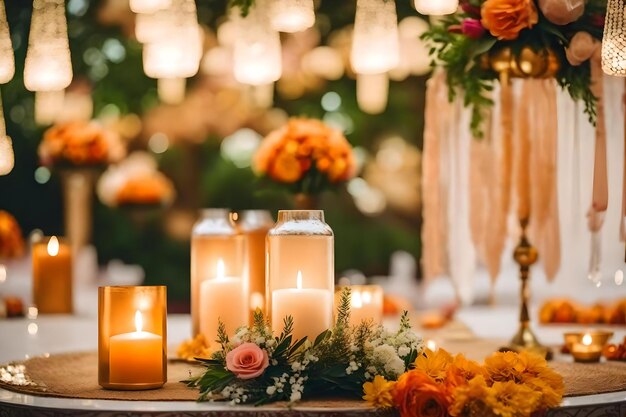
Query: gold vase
[[527, 63]]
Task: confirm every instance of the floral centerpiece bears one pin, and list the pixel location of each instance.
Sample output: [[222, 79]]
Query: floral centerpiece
[[258, 367], [307, 156], [11, 240], [527, 38], [438, 384], [80, 144]]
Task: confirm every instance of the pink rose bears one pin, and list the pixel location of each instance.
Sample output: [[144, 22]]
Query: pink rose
[[581, 48], [562, 12], [247, 361], [472, 28]]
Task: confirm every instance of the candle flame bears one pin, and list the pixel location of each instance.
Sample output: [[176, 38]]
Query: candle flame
[[587, 339], [299, 280], [356, 299], [138, 321], [53, 246], [367, 297], [220, 269], [431, 345]]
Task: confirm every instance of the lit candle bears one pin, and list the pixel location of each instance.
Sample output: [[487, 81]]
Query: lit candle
[[307, 306], [52, 276], [587, 351], [136, 357], [222, 298], [366, 304]]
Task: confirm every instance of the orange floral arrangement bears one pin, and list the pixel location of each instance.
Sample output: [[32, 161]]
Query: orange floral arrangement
[[508, 384], [307, 154], [506, 18], [80, 144], [11, 241], [153, 189], [568, 311]]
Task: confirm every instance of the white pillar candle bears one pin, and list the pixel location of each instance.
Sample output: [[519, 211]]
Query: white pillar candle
[[222, 298], [307, 306]]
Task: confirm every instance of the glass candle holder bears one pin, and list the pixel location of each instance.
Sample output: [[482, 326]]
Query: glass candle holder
[[300, 272], [219, 279], [366, 303], [132, 337], [52, 276], [255, 224]]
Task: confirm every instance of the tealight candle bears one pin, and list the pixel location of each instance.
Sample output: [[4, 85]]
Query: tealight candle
[[222, 299], [52, 276], [132, 337], [585, 350], [307, 306]]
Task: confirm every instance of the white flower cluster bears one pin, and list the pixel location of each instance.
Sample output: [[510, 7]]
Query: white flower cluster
[[387, 351], [264, 339], [295, 384], [236, 395]]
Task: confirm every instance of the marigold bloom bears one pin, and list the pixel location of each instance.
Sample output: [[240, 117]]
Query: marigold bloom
[[418, 395], [378, 393], [434, 364], [504, 19]]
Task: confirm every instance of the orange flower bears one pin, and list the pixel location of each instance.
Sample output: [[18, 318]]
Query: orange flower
[[11, 241], [462, 370], [505, 366], [291, 152], [434, 364], [506, 18], [146, 189], [417, 395]]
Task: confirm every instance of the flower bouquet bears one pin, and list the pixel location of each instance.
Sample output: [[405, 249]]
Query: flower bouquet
[[258, 367], [307, 156], [522, 38]]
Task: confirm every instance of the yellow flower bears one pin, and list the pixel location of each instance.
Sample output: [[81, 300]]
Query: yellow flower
[[468, 399], [378, 393], [508, 399], [434, 364], [198, 347], [505, 366]]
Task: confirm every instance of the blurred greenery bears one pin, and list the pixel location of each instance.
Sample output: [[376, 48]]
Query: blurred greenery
[[119, 85]]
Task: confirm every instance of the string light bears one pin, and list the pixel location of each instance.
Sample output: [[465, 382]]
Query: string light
[[436, 7], [7, 63], [375, 46], [371, 92], [257, 52], [614, 39], [292, 15]]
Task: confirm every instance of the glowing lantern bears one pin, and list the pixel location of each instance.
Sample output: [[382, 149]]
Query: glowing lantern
[[7, 63], [371, 92], [292, 15], [7, 159], [436, 7], [614, 39], [48, 65], [148, 6], [375, 46], [257, 53]]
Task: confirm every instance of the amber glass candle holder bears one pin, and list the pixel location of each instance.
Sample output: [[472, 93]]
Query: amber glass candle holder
[[301, 272], [366, 303], [219, 277], [254, 225], [52, 276], [132, 337]]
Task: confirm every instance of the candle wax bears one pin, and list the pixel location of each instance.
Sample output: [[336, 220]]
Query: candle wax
[[52, 278], [222, 298], [309, 308], [135, 358]]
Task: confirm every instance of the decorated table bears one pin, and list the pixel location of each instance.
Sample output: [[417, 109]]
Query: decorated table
[[475, 332]]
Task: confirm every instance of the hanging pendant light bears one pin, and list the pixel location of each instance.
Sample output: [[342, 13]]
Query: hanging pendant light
[[375, 46], [48, 65], [292, 15], [7, 159], [614, 39], [436, 7], [148, 6], [7, 63], [148, 26], [371, 92], [257, 51], [48, 106]]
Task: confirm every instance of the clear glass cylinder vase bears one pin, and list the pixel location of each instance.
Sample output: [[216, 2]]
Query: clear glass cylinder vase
[[219, 278], [255, 224], [300, 272], [132, 337]]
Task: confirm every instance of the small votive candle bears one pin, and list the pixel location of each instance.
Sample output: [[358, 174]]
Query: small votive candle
[[587, 348], [366, 303], [132, 337], [52, 276]]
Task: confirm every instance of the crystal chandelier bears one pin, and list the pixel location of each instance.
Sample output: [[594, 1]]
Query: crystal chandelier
[[48, 67], [614, 39], [371, 92], [436, 7], [375, 42], [257, 50], [292, 15]]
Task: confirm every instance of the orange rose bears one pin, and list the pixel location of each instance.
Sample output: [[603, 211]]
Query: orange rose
[[418, 395], [506, 18]]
